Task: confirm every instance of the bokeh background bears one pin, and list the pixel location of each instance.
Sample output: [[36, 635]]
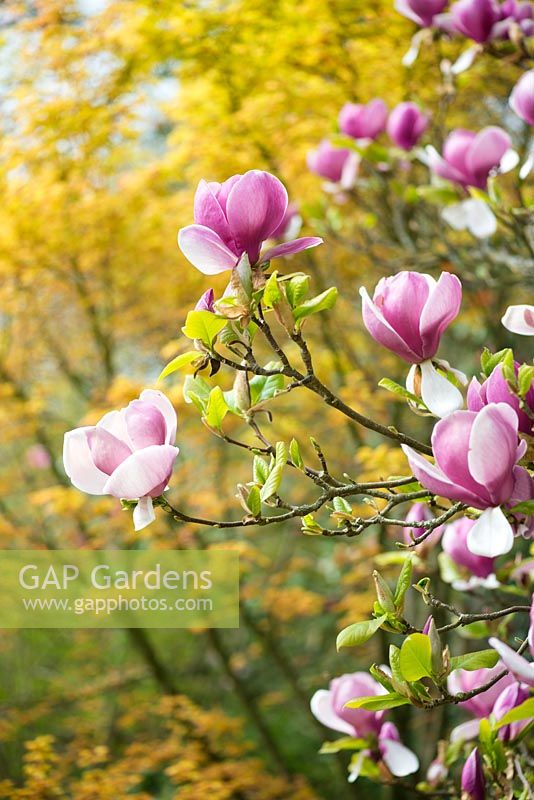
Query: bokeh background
[[110, 114]]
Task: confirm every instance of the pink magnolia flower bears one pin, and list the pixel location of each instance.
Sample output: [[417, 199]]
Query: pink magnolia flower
[[290, 224], [522, 97], [476, 456], [206, 301], [38, 457], [473, 781], [420, 512], [469, 157], [521, 669], [519, 319], [420, 11], [408, 314], [519, 13], [328, 705], [338, 165], [234, 218], [481, 705], [495, 390], [363, 121], [480, 568], [510, 698], [128, 454], [475, 19], [406, 125]]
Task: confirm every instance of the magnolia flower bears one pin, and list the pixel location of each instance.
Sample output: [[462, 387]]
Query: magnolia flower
[[521, 669], [495, 389], [206, 301], [328, 706], [38, 457], [510, 698], [234, 218], [476, 454], [522, 97], [481, 569], [469, 157], [519, 319], [406, 125], [420, 512], [420, 11], [481, 705], [518, 14], [475, 19], [338, 165], [408, 314], [363, 121], [129, 454], [473, 782]]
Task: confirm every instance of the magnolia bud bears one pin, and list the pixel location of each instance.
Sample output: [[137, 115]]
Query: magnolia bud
[[242, 391], [384, 593]]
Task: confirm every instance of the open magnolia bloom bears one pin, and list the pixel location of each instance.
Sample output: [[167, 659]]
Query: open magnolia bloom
[[236, 217], [128, 454], [519, 319], [476, 456], [337, 165], [521, 669], [408, 314]]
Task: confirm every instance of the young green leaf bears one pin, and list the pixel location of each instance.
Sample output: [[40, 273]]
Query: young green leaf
[[254, 501], [416, 657], [525, 376], [203, 325], [379, 702], [294, 452], [526, 507], [403, 583], [260, 470], [518, 714], [477, 660], [197, 391], [358, 633], [395, 388], [322, 302], [216, 408], [297, 289], [341, 505], [273, 482], [271, 292], [181, 361], [489, 360]]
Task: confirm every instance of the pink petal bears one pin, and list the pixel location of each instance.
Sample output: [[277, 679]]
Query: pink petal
[[146, 424], [487, 149], [440, 310], [434, 480], [164, 405], [208, 211], [205, 250], [255, 207], [145, 472], [286, 249], [456, 148], [521, 669], [79, 464], [492, 449], [107, 451], [382, 331], [450, 443], [321, 708]]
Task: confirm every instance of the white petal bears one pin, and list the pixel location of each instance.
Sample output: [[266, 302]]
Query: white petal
[[492, 534], [479, 218], [465, 60], [439, 395], [466, 731], [356, 766], [527, 166], [521, 669], [519, 319], [398, 759], [509, 161], [321, 708], [350, 171], [454, 216], [410, 57], [143, 513]]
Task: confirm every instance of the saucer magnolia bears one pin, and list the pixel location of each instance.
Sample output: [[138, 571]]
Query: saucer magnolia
[[481, 569], [475, 19], [519, 319], [363, 121], [338, 165], [408, 314], [234, 218], [495, 389], [406, 125], [129, 454], [481, 705], [420, 11], [469, 158], [473, 781], [476, 456], [522, 97]]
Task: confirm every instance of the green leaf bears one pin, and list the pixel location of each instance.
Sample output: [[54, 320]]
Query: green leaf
[[476, 660], [359, 632], [216, 408], [525, 376], [254, 501], [197, 391], [271, 292], [294, 452], [342, 506], [438, 195], [297, 289], [183, 360], [345, 743], [264, 387], [281, 453], [380, 702], [518, 714], [273, 482], [416, 657], [526, 507], [260, 470], [310, 526], [203, 325], [403, 583], [396, 388], [322, 302]]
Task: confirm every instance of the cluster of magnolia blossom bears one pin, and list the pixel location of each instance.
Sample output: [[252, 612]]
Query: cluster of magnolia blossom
[[381, 740]]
